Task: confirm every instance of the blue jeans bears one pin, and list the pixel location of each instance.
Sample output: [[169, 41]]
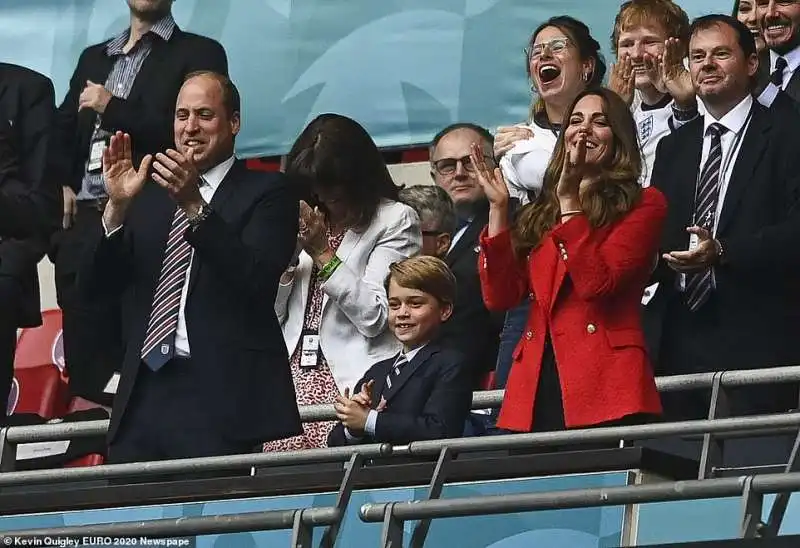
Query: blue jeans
[[516, 318]]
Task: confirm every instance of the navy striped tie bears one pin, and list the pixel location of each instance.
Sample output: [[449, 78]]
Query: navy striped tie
[[394, 373], [159, 341], [698, 284]]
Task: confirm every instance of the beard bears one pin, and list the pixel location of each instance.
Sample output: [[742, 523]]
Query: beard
[[154, 12]]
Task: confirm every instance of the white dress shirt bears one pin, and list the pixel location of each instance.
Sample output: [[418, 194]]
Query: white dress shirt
[[213, 178], [372, 416], [792, 63]]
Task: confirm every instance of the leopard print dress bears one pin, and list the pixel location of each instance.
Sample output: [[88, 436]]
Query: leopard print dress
[[312, 385]]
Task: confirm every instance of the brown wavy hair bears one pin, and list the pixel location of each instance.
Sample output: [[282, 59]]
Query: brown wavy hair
[[615, 193]]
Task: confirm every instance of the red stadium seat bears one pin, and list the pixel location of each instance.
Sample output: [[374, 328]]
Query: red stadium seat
[[40, 390], [88, 460], [41, 345]]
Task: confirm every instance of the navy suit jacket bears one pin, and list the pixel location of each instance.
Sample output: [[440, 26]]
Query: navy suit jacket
[[430, 400], [241, 383]]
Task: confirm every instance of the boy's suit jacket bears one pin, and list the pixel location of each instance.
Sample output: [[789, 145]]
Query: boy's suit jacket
[[430, 399]]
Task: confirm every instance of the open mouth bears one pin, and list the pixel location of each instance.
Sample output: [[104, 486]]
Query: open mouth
[[404, 326], [591, 145], [548, 73], [193, 143], [777, 27]]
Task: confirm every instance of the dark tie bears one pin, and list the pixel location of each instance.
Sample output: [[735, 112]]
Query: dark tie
[[397, 368], [698, 284], [461, 224], [159, 341], [777, 75]]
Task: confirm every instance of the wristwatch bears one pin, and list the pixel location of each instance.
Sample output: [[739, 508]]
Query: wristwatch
[[202, 215]]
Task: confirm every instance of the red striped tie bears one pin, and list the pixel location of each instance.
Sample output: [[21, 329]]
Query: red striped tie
[[159, 341]]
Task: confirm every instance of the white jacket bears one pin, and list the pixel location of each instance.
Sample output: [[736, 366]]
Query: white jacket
[[353, 329]]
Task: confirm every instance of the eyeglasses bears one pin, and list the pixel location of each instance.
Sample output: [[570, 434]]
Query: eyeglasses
[[448, 166], [556, 45]]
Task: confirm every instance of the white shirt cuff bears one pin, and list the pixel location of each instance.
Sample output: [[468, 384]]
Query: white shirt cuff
[[372, 420], [106, 231]]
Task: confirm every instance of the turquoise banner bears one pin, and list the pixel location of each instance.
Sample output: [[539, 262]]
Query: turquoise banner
[[580, 528], [403, 68]]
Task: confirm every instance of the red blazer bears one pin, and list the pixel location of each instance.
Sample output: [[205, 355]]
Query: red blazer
[[586, 287]]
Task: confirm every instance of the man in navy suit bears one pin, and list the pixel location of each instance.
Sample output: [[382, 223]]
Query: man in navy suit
[[424, 392], [197, 253]]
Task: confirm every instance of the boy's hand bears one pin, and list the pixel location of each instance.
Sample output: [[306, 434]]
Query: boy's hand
[[365, 396], [351, 413]]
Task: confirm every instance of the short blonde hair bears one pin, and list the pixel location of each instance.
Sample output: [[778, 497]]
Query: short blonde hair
[[666, 13], [424, 273]]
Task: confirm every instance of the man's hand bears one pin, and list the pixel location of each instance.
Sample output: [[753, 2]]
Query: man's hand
[[350, 413], [95, 97], [70, 207], [123, 180], [703, 256], [177, 173]]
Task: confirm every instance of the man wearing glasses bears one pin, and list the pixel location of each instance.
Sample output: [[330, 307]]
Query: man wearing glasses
[[471, 329]]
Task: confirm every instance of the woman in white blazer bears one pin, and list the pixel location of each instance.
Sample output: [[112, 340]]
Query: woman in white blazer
[[331, 303]]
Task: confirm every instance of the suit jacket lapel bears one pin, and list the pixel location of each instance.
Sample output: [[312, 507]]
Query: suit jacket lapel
[[468, 239], [754, 143], [348, 245], [151, 66], [221, 197], [406, 372], [793, 89], [680, 186]]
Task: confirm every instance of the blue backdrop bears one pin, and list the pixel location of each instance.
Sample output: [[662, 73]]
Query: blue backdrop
[[403, 68]]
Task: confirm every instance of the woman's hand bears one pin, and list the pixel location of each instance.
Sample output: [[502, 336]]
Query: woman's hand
[[573, 170], [507, 137], [491, 181], [495, 189], [313, 235]]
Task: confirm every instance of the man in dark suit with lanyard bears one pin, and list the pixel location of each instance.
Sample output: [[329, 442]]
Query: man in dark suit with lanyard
[[472, 329], [729, 291], [30, 204], [197, 252], [128, 83]]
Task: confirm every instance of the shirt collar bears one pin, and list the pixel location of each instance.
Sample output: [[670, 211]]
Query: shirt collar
[[792, 59], [734, 120], [162, 28], [411, 353], [214, 176]]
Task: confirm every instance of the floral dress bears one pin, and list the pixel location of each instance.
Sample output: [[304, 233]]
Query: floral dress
[[312, 385]]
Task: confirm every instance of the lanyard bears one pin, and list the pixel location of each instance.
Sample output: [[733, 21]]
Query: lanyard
[[726, 162]]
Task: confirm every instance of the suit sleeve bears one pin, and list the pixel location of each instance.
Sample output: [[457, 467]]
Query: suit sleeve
[[253, 257], [363, 299], [601, 263], [148, 127], [772, 249], [504, 278], [442, 416], [65, 128], [30, 200], [106, 270]]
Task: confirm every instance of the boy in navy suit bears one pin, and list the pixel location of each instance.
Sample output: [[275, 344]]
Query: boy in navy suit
[[424, 392]]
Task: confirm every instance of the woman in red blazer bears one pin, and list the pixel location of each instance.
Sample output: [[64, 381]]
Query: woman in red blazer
[[583, 251]]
